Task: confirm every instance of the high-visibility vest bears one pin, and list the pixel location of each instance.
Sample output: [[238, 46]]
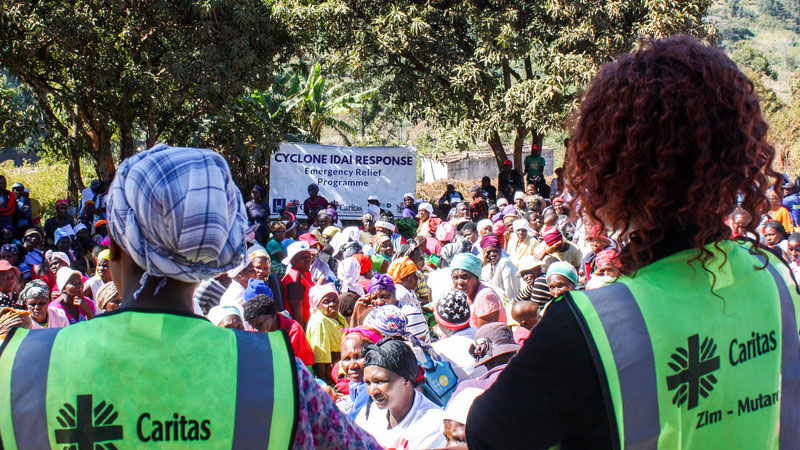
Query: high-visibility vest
[[137, 379], [685, 367]]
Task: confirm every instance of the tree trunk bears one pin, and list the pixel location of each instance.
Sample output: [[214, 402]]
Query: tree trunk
[[127, 145], [152, 134], [519, 141], [497, 147], [74, 180]]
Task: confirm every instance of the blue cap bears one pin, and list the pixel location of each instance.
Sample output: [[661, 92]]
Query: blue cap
[[256, 287]]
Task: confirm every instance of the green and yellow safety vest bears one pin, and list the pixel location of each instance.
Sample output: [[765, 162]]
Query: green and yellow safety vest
[[688, 367], [137, 379]]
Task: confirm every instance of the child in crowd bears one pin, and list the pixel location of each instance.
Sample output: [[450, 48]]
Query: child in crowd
[[527, 315], [793, 249], [324, 329]]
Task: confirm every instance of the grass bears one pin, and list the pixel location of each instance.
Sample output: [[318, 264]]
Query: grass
[[47, 182]]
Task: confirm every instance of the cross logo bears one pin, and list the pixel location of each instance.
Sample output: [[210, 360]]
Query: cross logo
[[693, 371], [87, 428]]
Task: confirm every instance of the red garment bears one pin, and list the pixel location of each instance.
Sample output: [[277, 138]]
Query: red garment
[[294, 276], [10, 205], [297, 337], [521, 334]]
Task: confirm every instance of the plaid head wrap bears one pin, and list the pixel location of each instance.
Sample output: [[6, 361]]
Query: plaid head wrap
[[178, 213]]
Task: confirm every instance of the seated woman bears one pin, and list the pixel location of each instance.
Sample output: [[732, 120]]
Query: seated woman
[[381, 292], [561, 277], [228, 316], [108, 298], [775, 235], [351, 366], [71, 300], [324, 328], [262, 312], [497, 269], [398, 415], [404, 275], [101, 276], [36, 296], [485, 304], [348, 271]]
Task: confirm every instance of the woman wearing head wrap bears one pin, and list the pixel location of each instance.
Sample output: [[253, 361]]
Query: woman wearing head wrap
[[108, 298], [348, 272], [381, 291], [404, 274], [36, 298], [276, 249], [554, 247], [521, 242], [498, 269], [71, 300], [324, 329], [101, 276], [176, 217], [485, 304], [409, 206], [229, 316], [351, 366], [398, 416]]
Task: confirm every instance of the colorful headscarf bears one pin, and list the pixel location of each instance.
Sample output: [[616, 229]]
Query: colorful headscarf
[[380, 281], [401, 268], [366, 263], [10, 248], [490, 240], [104, 254], [552, 236], [562, 268], [388, 320], [468, 262], [607, 258], [178, 213], [348, 271], [362, 333], [445, 232], [377, 262]]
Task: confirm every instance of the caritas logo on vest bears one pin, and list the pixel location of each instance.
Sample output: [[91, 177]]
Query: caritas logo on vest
[[86, 423], [694, 368]]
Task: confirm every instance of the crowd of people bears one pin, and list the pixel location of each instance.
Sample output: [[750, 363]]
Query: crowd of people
[[416, 315], [403, 321]]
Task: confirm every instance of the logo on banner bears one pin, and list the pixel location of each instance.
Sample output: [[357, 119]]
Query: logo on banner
[[86, 425], [693, 369]]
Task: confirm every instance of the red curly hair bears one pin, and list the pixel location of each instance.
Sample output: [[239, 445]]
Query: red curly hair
[[668, 136]]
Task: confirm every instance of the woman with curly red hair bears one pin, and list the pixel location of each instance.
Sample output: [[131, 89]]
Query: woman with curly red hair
[[668, 137]]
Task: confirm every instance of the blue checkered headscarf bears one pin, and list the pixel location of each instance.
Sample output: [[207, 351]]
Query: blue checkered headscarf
[[177, 213]]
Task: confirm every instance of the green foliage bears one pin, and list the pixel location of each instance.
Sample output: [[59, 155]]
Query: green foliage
[[315, 106], [755, 60], [482, 69], [149, 70], [21, 124]]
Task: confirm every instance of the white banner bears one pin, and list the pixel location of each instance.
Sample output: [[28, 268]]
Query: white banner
[[348, 175]]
